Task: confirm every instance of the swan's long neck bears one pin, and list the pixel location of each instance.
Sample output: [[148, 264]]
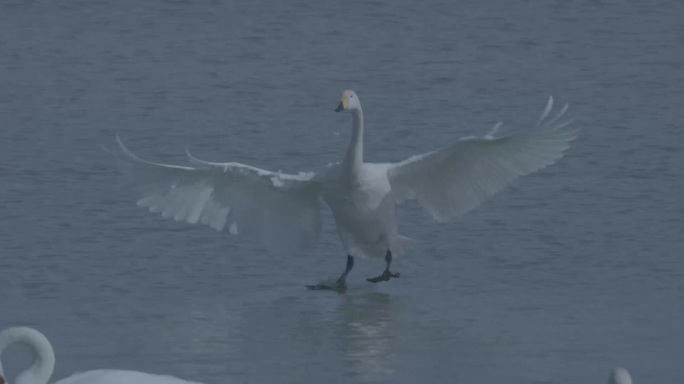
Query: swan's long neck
[[43, 355], [355, 152]]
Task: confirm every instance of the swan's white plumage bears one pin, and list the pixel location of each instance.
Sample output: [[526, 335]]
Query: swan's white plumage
[[619, 375], [109, 376], [456, 179], [43, 364], [283, 210]]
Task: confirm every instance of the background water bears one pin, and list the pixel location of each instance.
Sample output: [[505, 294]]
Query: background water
[[557, 279]]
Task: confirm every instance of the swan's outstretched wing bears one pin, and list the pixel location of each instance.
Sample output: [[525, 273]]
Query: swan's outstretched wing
[[282, 211], [456, 179]]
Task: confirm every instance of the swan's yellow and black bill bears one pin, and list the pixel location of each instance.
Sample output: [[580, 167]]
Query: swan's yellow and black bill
[[344, 104]]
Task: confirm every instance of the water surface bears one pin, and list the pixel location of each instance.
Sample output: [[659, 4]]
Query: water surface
[[560, 277]]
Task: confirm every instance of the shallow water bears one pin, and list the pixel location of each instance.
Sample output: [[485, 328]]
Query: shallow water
[[560, 277]]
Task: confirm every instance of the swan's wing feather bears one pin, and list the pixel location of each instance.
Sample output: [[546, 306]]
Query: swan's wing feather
[[282, 211], [453, 180], [110, 376]]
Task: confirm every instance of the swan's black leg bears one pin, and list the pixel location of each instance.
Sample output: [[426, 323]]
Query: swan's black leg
[[386, 274], [340, 284]]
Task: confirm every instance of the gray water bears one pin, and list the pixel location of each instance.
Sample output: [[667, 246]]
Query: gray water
[[555, 280]]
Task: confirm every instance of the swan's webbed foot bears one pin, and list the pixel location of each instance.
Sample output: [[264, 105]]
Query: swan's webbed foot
[[386, 274], [340, 285]]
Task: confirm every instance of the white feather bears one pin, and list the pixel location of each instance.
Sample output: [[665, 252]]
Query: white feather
[[255, 202], [458, 178]]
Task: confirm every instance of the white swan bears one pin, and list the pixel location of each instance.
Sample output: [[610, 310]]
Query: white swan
[[44, 363], [283, 211], [619, 375]]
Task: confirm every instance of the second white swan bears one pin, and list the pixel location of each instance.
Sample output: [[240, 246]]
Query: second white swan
[[43, 364]]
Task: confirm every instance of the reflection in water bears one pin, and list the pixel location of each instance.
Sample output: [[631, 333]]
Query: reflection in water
[[323, 337], [368, 323]]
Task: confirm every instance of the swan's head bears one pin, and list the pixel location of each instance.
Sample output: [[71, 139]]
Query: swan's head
[[349, 101], [619, 375]]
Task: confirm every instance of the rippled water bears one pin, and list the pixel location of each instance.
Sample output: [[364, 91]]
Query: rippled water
[[567, 273]]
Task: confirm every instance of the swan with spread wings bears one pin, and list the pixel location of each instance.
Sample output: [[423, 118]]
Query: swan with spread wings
[[283, 211]]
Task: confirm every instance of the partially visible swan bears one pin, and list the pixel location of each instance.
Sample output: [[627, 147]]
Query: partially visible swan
[[44, 363], [619, 375], [283, 211]]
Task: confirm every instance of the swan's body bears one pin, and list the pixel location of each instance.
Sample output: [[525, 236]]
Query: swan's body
[[283, 211], [359, 197], [43, 364], [112, 376], [619, 375]]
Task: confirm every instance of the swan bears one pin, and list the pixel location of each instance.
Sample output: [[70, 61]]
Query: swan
[[44, 363], [619, 375], [283, 211]]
